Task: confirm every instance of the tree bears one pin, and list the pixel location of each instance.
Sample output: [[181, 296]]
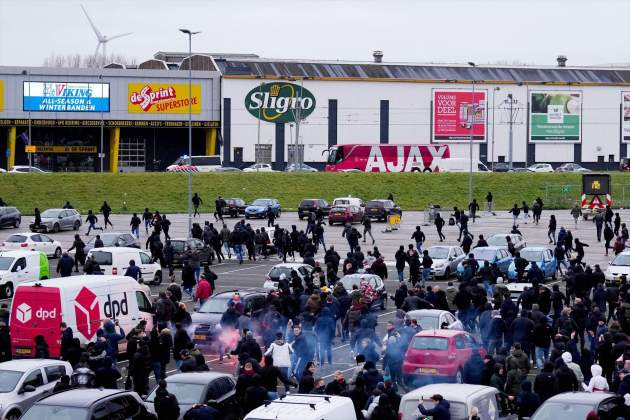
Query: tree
[[76, 61]]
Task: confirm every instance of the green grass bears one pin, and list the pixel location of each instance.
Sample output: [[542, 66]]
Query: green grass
[[167, 192]]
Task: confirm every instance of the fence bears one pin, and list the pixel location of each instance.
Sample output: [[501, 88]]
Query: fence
[[564, 196]]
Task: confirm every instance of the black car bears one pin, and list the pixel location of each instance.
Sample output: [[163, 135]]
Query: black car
[[114, 239], [209, 314], [501, 167], [10, 217], [234, 207], [380, 209], [206, 254], [310, 205]]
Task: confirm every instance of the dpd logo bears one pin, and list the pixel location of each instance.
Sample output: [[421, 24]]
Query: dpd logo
[[280, 102], [114, 308], [23, 313], [87, 312]]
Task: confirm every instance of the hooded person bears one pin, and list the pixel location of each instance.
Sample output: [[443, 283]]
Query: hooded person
[[597, 383], [527, 401], [165, 403], [568, 360]]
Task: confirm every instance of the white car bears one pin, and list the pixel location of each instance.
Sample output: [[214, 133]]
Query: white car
[[445, 259], [24, 169], [500, 240], [541, 167], [33, 242], [432, 319], [618, 266], [271, 282], [259, 167]]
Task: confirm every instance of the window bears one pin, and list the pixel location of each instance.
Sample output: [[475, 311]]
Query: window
[[143, 303], [117, 408], [291, 153], [20, 263], [102, 258], [219, 388], [263, 153], [600, 159], [144, 258], [36, 238], [34, 378], [131, 153], [44, 238], [470, 342], [459, 342], [53, 373]]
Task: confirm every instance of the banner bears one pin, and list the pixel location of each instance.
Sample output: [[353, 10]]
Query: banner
[[280, 102], [60, 149], [66, 97], [625, 115], [456, 114], [555, 116], [162, 98]]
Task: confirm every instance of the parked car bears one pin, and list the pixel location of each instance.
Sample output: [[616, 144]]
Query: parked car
[[305, 407], [540, 167], [543, 258], [180, 245], [114, 239], [461, 397], [259, 167], [227, 169], [438, 356], [520, 170], [381, 209], [195, 164], [25, 169], [310, 205], [432, 319], [501, 167], [445, 260], [89, 404], [261, 206], [33, 242], [212, 388], [618, 266], [209, 314], [348, 201], [300, 167], [492, 254], [374, 281], [345, 214], [234, 207], [10, 217], [54, 220], [500, 240], [24, 381], [578, 405], [571, 167], [303, 271]]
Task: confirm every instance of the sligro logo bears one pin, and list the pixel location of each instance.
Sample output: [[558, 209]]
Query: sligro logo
[[280, 102]]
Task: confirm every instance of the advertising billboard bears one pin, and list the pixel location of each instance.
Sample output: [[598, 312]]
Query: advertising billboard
[[66, 97], [162, 98], [456, 114], [280, 102], [625, 116], [555, 116]]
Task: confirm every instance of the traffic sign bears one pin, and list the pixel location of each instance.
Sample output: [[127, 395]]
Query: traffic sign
[[564, 189]]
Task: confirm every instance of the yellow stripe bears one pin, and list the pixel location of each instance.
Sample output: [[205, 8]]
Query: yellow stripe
[[11, 146], [211, 142], [114, 143]]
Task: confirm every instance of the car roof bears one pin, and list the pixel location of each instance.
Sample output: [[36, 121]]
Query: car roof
[[57, 209], [447, 246], [243, 292], [77, 281], [291, 265], [439, 333], [455, 392], [116, 249], [80, 398], [196, 377], [22, 365], [534, 248], [18, 253], [426, 312], [380, 199], [359, 276], [580, 397], [492, 247]]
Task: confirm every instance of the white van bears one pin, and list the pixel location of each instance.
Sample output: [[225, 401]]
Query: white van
[[18, 267], [197, 164], [348, 201], [114, 261], [461, 165], [305, 407], [82, 302]]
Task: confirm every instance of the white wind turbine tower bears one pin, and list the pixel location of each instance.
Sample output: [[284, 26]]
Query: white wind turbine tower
[[102, 40]]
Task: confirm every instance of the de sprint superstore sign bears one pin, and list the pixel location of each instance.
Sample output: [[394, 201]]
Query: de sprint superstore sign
[[280, 102]]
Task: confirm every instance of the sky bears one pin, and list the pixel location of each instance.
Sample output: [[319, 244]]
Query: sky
[[588, 32]]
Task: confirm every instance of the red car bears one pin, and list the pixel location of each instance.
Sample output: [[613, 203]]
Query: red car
[[345, 214], [438, 356]]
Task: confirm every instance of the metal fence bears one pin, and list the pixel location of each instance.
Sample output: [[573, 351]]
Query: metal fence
[[564, 196]]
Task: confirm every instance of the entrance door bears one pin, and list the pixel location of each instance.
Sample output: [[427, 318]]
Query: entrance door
[[238, 156], [131, 154]]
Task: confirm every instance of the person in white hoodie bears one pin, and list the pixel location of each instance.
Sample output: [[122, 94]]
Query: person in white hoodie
[[597, 383], [568, 360], [281, 351]]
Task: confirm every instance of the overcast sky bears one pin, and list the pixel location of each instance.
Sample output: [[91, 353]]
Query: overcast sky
[[528, 31]]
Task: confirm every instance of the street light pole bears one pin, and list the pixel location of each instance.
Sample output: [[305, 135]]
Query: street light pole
[[190, 34], [102, 153], [511, 135], [472, 130], [30, 142], [494, 94]]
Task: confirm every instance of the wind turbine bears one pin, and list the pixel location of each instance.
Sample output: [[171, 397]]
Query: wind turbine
[[102, 40]]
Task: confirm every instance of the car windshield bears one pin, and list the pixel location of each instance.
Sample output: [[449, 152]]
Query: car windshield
[[277, 271], [5, 263], [108, 240], [50, 213], [349, 281], [185, 393], [427, 322], [438, 252], [102, 257], [531, 255], [562, 410], [55, 412], [430, 343], [375, 204], [484, 254], [178, 246], [16, 239], [621, 259], [216, 305], [261, 202], [8, 380], [309, 203], [339, 209]]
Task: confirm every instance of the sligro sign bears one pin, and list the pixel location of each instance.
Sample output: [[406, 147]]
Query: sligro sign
[[280, 102]]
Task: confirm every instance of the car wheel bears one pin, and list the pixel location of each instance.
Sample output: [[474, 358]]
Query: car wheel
[[16, 223], [427, 170], [415, 169], [459, 377], [7, 290], [330, 223], [76, 225], [13, 415], [157, 279], [55, 228], [57, 254]]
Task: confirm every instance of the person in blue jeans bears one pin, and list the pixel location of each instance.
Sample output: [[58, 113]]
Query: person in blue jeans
[[427, 262], [238, 251], [92, 219], [135, 225]]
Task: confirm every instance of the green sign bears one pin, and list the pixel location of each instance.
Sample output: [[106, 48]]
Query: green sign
[[555, 116], [564, 189], [280, 102]]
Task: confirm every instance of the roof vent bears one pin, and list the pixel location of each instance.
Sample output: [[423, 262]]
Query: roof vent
[[562, 60], [378, 56]]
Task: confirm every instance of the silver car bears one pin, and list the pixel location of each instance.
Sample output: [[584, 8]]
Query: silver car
[[432, 319], [445, 260], [500, 240], [23, 382], [54, 220]]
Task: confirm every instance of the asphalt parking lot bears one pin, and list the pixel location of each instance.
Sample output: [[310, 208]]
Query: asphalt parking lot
[[233, 276]]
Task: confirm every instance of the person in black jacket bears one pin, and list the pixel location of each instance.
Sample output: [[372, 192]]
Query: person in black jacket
[[107, 375], [270, 375], [65, 264], [165, 404], [107, 211], [307, 383], [473, 369], [527, 401], [255, 394], [384, 410], [544, 383], [79, 252]]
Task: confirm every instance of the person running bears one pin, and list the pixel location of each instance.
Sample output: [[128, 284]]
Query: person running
[[516, 211], [473, 208], [196, 201], [525, 212], [92, 220], [439, 224], [367, 228], [38, 218], [419, 237], [135, 225], [147, 217], [166, 225], [576, 212], [551, 232], [489, 203], [219, 205], [79, 252], [107, 211]]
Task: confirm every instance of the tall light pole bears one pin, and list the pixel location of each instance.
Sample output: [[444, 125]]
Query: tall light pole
[[494, 94], [190, 34], [101, 152], [472, 131]]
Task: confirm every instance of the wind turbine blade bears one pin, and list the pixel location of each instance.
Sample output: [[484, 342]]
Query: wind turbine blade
[[98, 46], [109, 38], [98, 34]]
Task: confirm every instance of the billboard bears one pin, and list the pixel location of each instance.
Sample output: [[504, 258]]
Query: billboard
[[555, 116], [456, 114], [66, 97], [625, 115], [280, 102], [162, 98]]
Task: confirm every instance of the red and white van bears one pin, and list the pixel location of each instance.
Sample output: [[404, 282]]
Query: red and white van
[[82, 302]]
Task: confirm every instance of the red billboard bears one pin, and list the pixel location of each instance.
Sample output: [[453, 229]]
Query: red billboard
[[456, 114]]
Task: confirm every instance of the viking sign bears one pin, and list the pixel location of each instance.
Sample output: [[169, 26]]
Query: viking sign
[[280, 102]]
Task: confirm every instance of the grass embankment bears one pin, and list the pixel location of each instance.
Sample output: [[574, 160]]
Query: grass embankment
[[167, 192]]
